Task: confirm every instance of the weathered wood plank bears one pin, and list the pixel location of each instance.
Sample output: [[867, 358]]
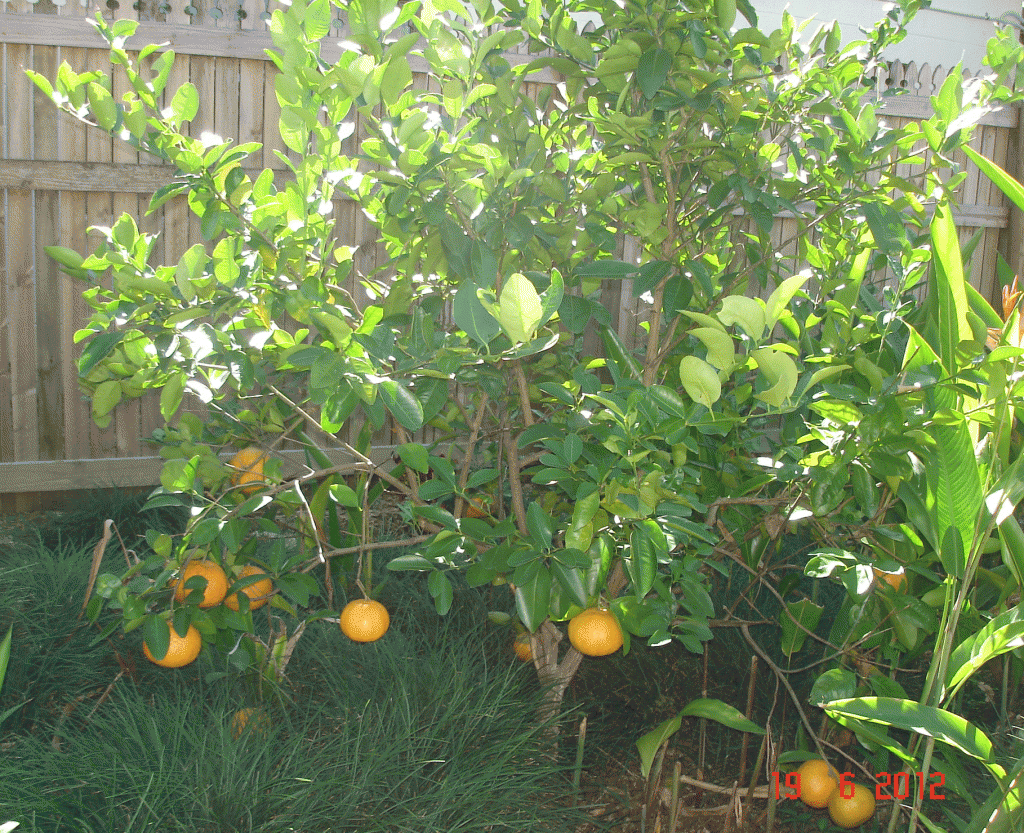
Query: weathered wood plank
[[60, 475]]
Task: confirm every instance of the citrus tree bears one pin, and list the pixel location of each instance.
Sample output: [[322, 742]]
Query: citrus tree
[[582, 466]]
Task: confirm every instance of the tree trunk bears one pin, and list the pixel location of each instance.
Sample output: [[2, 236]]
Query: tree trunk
[[554, 676]]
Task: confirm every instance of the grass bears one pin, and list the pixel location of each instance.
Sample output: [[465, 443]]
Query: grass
[[431, 729]]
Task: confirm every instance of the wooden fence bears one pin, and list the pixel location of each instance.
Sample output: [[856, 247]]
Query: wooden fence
[[59, 178]]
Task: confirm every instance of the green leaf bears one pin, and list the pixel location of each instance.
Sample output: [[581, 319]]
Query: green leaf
[[415, 456], [834, 684], [571, 580], [402, 405], [700, 381], [533, 598], [551, 300], [105, 398], [157, 635], [185, 103], [1004, 633], [410, 562], [170, 395], [649, 744], [781, 372], [720, 346], [778, 301], [808, 614], [5, 654], [440, 588], [97, 349], [652, 69], [746, 312], [519, 308], [917, 718], [606, 269], [949, 287], [723, 713], [886, 226], [179, 474], [68, 258], [102, 106], [472, 317], [954, 488], [642, 564], [1006, 183], [539, 525]]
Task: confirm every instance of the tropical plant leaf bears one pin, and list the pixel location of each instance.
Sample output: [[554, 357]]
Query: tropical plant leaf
[[912, 716], [1004, 633], [721, 712]]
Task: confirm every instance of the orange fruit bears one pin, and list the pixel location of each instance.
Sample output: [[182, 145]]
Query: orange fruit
[[595, 632], [249, 719], [818, 781], [522, 648], [897, 581], [248, 469], [475, 509], [258, 592], [855, 810], [216, 582], [181, 650], [364, 620]]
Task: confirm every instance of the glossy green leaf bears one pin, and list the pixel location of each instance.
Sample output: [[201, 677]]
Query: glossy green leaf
[[185, 103], [571, 580], [834, 684], [441, 590], [519, 308], [949, 287], [1004, 633], [472, 317], [402, 405], [720, 712], [652, 69], [649, 744], [700, 381], [806, 613], [538, 522], [533, 598], [781, 373], [720, 346], [912, 716], [642, 564], [170, 395], [746, 312]]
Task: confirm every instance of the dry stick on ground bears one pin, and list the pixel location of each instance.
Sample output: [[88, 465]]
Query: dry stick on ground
[[94, 570]]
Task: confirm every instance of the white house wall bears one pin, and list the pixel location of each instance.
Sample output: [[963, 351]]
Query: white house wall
[[950, 31]]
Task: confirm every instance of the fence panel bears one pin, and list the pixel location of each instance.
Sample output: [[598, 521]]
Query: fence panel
[[58, 178]]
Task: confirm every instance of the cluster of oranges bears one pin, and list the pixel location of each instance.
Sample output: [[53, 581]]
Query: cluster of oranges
[[182, 650], [848, 806]]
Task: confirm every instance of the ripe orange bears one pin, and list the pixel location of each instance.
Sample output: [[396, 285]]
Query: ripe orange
[[855, 810], [248, 469], [249, 719], [521, 647], [181, 650], [897, 581], [818, 782], [595, 632], [364, 620], [475, 509], [216, 582], [258, 592]]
